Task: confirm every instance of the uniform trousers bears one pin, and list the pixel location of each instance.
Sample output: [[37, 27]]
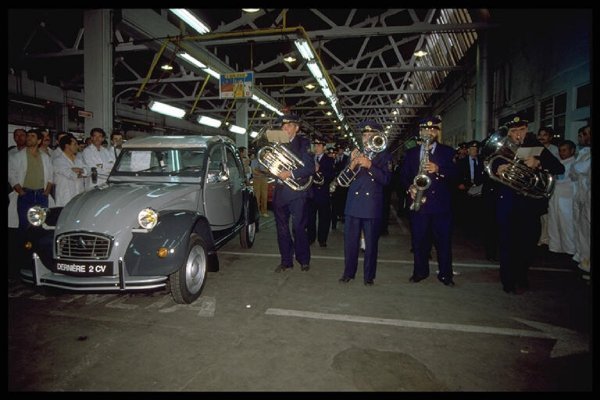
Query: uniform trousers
[[352, 228]]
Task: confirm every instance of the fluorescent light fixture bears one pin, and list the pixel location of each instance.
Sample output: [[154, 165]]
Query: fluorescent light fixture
[[304, 49], [199, 64], [212, 73], [253, 134], [204, 120], [28, 104], [191, 20], [322, 102], [265, 104], [251, 10], [166, 67], [289, 59], [166, 109], [237, 129], [192, 60], [420, 53], [315, 70], [310, 86]]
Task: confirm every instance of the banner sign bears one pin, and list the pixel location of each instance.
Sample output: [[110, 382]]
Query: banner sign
[[237, 85]]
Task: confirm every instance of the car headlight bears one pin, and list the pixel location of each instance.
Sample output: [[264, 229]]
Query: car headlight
[[148, 218], [36, 215]]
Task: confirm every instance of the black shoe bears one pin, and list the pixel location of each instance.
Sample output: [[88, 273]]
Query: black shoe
[[344, 279], [311, 243], [281, 268], [446, 281], [369, 283], [416, 279], [322, 244], [305, 267]]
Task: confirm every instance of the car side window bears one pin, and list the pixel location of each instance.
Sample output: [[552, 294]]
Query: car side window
[[234, 168], [215, 164]]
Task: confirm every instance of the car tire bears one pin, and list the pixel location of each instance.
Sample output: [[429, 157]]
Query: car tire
[[248, 234], [187, 282]]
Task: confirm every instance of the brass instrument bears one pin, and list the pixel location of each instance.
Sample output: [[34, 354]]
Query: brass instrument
[[277, 158], [518, 176], [422, 181], [318, 178], [375, 145]]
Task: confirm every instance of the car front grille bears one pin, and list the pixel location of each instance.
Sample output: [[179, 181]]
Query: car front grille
[[83, 246]]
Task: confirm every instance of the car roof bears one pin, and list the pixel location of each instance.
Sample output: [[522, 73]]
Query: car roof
[[181, 141]]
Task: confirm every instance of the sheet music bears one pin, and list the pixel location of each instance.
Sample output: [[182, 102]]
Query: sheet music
[[524, 152], [277, 135]]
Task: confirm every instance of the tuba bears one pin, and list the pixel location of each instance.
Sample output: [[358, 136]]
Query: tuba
[[375, 145], [277, 158], [422, 181], [518, 176]]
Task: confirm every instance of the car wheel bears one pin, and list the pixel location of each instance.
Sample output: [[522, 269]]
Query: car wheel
[[248, 234], [186, 283]]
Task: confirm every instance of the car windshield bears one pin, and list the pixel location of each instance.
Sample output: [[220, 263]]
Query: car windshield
[[160, 162]]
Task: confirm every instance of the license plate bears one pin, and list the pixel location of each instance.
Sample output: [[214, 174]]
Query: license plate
[[103, 268]]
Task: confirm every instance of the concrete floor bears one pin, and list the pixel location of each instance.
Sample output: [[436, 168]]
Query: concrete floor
[[256, 330]]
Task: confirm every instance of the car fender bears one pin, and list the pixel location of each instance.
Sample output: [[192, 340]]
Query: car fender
[[172, 232]]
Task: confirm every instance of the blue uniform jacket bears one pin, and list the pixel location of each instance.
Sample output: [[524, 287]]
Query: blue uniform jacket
[[439, 193], [509, 199], [321, 192], [300, 147], [464, 171], [365, 194]]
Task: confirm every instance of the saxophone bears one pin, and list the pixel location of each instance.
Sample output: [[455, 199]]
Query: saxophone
[[421, 181]]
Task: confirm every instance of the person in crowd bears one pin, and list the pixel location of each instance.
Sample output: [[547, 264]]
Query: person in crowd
[[469, 202], [31, 176], [288, 202], [20, 138], [561, 230], [581, 175], [69, 171], [98, 157], [462, 150], [245, 162], [364, 204], [260, 183], [116, 143], [545, 135], [46, 142], [340, 193], [319, 202], [57, 152], [518, 214], [431, 222]]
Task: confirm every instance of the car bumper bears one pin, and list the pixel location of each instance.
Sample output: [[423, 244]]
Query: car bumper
[[42, 276]]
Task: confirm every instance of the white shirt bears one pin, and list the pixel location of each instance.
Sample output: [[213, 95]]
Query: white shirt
[[101, 159], [68, 184]]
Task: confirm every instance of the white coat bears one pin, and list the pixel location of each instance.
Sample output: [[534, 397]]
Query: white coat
[[68, 184], [561, 227]]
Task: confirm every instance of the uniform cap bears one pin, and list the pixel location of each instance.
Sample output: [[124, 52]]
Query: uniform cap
[[516, 120], [289, 118], [370, 126], [430, 122], [474, 143]]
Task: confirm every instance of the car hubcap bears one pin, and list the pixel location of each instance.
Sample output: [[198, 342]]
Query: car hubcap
[[195, 269]]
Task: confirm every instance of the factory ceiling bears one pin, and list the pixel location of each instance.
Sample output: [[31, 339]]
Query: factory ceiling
[[370, 57]]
